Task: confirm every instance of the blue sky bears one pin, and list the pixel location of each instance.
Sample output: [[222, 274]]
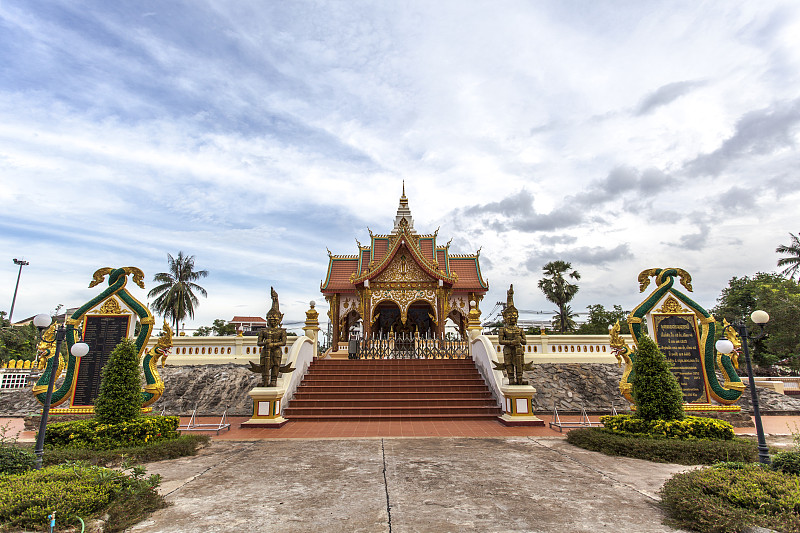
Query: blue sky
[[617, 135]]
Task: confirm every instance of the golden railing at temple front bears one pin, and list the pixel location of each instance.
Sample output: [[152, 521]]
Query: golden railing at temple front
[[412, 346]]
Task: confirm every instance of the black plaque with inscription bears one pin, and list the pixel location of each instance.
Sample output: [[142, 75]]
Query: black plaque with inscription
[[102, 333], [676, 336]]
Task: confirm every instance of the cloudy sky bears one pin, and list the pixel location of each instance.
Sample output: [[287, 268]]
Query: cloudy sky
[[617, 135]]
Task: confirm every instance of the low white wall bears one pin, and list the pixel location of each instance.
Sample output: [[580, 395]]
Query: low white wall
[[566, 348], [215, 350], [539, 349]]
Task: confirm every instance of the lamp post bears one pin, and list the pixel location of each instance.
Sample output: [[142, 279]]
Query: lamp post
[[725, 346], [21, 264], [79, 349]]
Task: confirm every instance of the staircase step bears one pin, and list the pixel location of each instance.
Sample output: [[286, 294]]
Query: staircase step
[[372, 411], [347, 388], [392, 389], [391, 403], [391, 417], [414, 371], [381, 394]]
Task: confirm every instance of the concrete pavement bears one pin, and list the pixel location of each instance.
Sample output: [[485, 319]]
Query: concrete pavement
[[532, 484]]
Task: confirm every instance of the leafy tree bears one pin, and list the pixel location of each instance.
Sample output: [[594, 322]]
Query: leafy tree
[[202, 331], [220, 328], [174, 297], [17, 342], [792, 263], [600, 319], [557, 289], [565, 320], [120, 397], [656, 391], [778, 296]]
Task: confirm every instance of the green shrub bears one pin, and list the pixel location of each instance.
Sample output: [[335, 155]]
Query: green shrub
[[73, 489], [690, 427], [656, 392], [152, 451], [660, 450], [14, 460], [26, 499], [720, 498], [120, 397], [91, 433], [787, 462]]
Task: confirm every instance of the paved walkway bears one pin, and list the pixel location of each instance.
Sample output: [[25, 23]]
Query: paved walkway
[[371, 477], [399, 485]]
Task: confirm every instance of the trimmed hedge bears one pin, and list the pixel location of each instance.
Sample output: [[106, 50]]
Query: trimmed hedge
[[92, 434], [686, 452], [731, 497], [183, 446], [14, 460], [690, 427], [787, 462], [73, 490]]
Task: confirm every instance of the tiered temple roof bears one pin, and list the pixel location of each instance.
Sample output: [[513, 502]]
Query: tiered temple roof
[[461, 272]]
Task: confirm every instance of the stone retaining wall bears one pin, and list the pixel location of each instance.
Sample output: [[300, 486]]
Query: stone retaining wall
[[212, 388]]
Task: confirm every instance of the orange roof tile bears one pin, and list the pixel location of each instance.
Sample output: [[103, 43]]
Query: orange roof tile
[[441, 259], [380, 246], [364, 260], [339, 273], [248, 319], [468, 274], [426, 245]]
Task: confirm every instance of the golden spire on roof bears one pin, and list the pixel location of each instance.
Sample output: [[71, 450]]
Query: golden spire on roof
[[403, 217]]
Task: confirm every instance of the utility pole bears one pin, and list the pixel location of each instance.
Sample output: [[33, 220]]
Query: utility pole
[[21, 264]]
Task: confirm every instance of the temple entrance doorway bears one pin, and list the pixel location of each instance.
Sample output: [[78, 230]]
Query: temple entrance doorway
[[420, 319], [386, 319]]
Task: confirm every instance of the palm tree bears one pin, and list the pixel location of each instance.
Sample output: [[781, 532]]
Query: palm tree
[[565, 319], [791, 263], [175, 297], [557, 289]]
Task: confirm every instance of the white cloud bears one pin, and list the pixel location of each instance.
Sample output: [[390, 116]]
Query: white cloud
[[254, 135]]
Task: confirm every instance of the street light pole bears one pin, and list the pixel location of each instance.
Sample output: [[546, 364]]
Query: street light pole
[[78, 350], [21, 264], [726, 346]]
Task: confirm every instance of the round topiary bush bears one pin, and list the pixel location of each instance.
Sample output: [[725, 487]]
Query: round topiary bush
[[656, 392], [120, 398]]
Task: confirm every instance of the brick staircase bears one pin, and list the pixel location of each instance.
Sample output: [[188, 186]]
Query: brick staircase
[[392, 389]]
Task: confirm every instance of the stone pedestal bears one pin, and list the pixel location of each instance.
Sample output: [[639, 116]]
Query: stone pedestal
[[517, 406], [267, 404]]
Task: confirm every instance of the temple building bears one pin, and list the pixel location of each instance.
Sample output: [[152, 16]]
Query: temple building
[[403, 282]]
